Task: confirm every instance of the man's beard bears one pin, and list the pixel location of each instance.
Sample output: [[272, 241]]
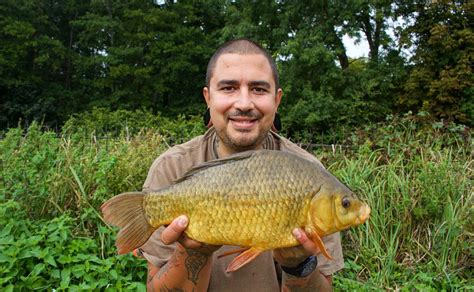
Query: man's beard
[[237, 144]]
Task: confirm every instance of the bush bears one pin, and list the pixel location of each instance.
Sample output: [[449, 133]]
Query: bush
[[101, 122], [49, 175], [48, 255]]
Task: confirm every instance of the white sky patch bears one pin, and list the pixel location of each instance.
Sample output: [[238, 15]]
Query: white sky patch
[[356, 50]]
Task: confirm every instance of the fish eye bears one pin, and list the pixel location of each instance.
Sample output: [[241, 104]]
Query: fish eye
[[346, 202]]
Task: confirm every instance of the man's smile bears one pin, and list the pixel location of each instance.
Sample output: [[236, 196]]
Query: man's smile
[[243, 124], [244, 121]]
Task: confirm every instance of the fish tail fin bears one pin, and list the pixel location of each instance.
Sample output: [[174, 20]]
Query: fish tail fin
[[126, 212]]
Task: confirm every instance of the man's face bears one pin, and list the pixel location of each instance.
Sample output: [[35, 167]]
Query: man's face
[[242, 100]]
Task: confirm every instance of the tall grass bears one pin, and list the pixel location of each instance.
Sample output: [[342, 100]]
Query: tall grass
[[51, 175], [419, 235], [416, 176]]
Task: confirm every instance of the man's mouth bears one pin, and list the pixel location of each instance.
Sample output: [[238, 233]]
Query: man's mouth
[[242, 123]]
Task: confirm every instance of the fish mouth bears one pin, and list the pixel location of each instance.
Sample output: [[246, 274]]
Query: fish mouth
[[363, 215]]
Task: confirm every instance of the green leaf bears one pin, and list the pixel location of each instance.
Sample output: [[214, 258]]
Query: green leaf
[[50, 260], [113, 274], [38, 269], [25, 253], [65, 259], [102, 282], [34, 240], [4, 258], [137, 286], [36, 252], [56, 273], [78, 271], [65, 278], [7, 240], [6, 230]]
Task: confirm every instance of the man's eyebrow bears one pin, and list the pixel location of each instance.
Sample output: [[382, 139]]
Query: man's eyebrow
[[226, 82], [261, 83]]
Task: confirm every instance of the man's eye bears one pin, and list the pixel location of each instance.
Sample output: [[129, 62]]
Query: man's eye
[[227, 88], [259, 90]]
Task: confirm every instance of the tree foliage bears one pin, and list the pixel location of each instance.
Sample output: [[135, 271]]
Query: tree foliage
[[441, 80], [64, 57]]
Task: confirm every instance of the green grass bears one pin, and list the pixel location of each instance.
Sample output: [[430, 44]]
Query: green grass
[[416, 176], [419, 235]]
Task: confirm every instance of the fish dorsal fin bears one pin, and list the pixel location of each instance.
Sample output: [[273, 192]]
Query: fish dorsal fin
[[216, 162]]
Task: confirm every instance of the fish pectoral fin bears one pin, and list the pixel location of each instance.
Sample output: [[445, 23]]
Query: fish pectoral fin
[[232, 252], [243, 259], [316, 239]]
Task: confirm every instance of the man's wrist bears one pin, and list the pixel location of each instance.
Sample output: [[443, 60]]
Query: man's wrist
[[304, 269]]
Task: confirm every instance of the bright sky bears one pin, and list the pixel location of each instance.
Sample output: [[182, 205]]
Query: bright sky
[[353, 50]]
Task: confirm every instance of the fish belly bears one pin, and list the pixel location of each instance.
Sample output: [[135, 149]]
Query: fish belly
[[241, 218]]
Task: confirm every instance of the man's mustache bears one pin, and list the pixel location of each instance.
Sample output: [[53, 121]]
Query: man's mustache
[[248, 114]]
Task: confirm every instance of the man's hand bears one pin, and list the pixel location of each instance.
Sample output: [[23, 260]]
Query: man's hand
[[189, 267], [175, 233], [293, 256]]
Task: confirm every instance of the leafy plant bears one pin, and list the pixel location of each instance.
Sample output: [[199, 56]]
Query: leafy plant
[[51, 254]]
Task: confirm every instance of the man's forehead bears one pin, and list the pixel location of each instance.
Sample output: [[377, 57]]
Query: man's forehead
[[227, 64], [232, 57]]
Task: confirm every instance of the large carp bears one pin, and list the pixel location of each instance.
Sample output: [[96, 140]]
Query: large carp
[[252, 199]]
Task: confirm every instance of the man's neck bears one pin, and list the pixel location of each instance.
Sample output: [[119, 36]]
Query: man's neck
[[223, 150]]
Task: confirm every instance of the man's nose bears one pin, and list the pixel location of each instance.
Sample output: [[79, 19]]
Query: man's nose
[[244, 100]]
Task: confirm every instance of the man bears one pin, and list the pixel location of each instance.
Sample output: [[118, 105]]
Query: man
[[242, 94]]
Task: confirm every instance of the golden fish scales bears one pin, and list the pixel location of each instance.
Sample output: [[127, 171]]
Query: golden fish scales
[[252, 205], [253, 199]]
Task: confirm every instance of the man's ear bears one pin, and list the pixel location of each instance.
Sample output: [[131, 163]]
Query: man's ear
[[278, 96], [205, 93]]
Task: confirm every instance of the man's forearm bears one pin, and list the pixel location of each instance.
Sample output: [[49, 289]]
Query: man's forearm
[[314, 282], [187, 269]]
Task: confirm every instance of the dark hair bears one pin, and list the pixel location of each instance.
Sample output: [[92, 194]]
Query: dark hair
[[241, 47]]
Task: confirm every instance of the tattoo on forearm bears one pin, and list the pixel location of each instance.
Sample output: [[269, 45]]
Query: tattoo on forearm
[[194, 264]]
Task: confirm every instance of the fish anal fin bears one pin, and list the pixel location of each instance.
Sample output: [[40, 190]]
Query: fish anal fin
[[316, 239], [126, 212], [243, 259], [224, 254]]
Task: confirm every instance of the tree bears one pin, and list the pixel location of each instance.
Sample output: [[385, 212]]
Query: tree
[[441, 79], [35, 59]]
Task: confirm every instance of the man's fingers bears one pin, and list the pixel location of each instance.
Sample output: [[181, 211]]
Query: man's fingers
[[308, 245], [174, 231]]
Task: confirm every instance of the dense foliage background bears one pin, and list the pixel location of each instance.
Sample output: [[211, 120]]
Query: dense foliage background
[[92, 91], [63, 57]]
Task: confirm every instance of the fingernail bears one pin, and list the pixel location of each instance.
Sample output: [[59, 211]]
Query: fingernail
[[182, 221], [297, 233]]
